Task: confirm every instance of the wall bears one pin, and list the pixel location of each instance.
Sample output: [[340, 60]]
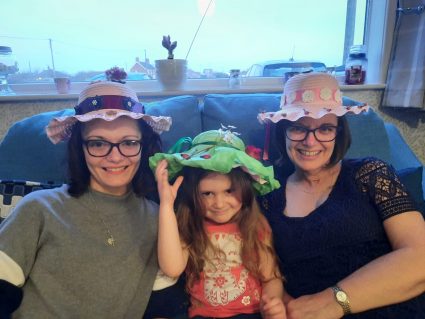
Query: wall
[[11, 112], [411, 123]]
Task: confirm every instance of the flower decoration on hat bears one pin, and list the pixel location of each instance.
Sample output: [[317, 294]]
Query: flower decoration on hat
[[326, 94], [308, 96], [116, 74], [338, 96], [227, 134]]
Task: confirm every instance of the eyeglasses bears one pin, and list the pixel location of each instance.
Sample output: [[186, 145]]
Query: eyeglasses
[[100, 148], [324, 133]]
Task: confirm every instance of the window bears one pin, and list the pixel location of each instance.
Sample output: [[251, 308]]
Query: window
[[82, 38]]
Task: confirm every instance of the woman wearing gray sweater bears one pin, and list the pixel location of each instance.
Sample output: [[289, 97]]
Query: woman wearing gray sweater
[[88, 248]]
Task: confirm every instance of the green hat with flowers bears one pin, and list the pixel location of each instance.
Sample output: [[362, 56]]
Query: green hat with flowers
[[219, 151]]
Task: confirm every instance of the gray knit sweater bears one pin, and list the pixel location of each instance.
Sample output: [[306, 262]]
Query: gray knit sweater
[[60, 242]]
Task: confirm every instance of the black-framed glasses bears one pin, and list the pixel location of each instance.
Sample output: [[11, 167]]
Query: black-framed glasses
[[324, 133], [101, 148]]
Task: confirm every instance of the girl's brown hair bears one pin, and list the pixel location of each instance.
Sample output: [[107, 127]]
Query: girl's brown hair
[[252, 224]]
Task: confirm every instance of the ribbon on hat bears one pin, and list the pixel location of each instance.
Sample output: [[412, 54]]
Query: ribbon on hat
[[267, 142], [104, 102]]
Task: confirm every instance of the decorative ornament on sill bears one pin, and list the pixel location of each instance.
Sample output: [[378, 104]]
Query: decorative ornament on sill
[[170, 46], [116, 74]]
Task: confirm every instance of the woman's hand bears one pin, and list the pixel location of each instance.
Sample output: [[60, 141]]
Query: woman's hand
[[318, 306]]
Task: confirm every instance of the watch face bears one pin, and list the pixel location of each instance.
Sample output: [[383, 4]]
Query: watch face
[[341, 296]]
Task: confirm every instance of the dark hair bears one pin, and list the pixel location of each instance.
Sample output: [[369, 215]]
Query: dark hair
[[342, 143], [190, 217], [143, 182]]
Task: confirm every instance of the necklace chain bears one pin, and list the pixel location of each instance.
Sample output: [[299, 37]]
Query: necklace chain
[[330, 185], [110, 238], [315, 192]]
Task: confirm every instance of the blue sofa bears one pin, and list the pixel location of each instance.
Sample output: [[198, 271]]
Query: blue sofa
[[27, 156]]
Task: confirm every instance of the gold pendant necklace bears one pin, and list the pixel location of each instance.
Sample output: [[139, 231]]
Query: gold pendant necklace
[[110, 240]]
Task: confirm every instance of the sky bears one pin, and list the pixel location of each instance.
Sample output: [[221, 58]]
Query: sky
[[95, 35]]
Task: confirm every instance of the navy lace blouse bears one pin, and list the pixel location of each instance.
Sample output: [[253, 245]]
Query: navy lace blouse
[[343, 234]]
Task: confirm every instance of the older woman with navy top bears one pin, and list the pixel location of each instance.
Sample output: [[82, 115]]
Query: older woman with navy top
[[350, 240]]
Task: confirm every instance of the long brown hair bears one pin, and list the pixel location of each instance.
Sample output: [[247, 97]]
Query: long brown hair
[[252, 224]]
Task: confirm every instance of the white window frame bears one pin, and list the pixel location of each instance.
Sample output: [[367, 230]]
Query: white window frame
[[379, 27], [379, 31]]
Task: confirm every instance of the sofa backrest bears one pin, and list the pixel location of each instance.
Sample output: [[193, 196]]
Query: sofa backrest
[[240, 111], [186, 116], [26, 154]]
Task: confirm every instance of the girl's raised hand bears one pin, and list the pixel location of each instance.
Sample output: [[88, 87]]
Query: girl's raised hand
[[166, 191]]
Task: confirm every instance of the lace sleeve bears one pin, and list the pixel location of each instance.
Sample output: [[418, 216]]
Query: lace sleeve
[[384, 188]]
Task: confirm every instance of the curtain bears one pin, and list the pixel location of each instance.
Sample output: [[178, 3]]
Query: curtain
[[405, 85]]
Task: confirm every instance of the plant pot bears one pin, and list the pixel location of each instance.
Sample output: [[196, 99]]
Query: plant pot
[[171, 73]]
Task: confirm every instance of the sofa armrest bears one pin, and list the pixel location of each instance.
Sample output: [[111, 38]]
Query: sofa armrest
[[404, 160], [401, 154]]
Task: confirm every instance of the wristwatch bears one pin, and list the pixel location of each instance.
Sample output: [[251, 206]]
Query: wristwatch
[[342, 298]]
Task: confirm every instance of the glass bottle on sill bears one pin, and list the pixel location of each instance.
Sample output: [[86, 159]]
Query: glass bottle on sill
[[235, 78], [356, 65], [8, 65]]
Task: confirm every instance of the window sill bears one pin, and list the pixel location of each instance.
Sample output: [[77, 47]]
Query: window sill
[[151, 89]]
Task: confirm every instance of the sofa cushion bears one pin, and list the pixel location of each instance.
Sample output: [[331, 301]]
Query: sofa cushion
[[27, 154], [239, 110], [402, 155], [185, 113], [368, 136]]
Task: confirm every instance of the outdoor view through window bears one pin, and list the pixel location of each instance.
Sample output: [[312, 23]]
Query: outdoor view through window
[[80, 39]]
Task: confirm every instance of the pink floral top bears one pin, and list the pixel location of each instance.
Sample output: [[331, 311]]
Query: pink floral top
[[226, 288]]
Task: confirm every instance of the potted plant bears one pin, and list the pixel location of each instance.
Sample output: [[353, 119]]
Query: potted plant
[[170, 72]]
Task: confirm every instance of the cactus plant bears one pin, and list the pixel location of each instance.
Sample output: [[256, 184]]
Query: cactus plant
[[170, 46]]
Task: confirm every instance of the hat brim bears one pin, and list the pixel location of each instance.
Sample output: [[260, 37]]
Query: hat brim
[[294, 113], [221, 160], [59, 128]]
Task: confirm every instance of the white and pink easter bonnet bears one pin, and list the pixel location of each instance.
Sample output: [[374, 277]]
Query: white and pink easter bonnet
[[311, 95], [105, 100]]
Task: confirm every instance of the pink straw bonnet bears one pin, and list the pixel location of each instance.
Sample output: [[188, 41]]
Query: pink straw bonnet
[[105, 100], [311, 95]]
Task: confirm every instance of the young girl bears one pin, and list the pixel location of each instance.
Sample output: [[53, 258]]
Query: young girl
[[218, 236]]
